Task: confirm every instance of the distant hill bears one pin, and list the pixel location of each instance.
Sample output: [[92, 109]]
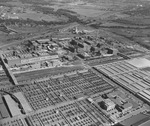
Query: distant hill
[[88, 1]]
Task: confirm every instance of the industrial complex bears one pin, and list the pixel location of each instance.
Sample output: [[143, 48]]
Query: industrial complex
[[81, 80]]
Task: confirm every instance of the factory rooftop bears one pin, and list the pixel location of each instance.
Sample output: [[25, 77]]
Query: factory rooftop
[[129, 74]]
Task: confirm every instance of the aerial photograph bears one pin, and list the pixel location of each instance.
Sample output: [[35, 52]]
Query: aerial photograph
[[74, 62]]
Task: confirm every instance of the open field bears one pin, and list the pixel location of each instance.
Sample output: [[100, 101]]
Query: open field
[[37, 17]]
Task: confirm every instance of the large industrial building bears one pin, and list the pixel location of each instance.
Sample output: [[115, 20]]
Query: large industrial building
[[12, 61]]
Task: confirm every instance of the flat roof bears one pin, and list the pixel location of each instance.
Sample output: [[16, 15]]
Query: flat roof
[[146, 123], [134, 120], [139, 62]]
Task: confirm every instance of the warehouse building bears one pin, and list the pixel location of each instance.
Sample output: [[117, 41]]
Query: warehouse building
[[12, 61]]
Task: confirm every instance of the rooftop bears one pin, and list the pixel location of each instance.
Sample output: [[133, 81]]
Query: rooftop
[[139, 62]]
